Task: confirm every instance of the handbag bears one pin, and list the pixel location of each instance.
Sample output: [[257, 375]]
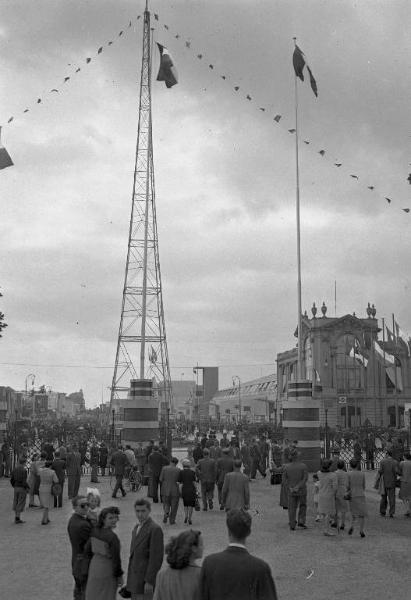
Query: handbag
[[56, 489], [197, 503], [124, 593]]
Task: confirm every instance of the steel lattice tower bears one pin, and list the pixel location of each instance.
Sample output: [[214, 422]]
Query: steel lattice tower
[[142, 347]]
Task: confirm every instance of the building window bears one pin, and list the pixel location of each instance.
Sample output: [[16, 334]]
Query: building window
[[350, 364]]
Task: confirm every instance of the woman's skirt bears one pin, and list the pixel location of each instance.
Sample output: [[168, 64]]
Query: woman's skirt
[[358, 507], [101, 585], [46, 497]]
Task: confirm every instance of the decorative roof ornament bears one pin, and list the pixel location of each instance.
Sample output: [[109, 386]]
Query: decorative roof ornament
[[324, 309], [373, 311], [314, 309], [369, 310]]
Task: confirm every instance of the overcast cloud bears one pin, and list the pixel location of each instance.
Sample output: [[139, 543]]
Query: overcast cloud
[[225, 178]]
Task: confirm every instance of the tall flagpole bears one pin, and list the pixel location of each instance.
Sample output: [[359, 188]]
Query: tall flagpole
[[300, 349]]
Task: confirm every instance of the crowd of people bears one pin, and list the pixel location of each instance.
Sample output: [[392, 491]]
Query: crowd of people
[[215, 475]]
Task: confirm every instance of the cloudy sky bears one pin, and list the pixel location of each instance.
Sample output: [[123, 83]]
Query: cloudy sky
[[225, 178]]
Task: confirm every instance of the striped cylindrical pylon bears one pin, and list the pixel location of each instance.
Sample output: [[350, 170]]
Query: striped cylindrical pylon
[[301, 422], [140, 413]]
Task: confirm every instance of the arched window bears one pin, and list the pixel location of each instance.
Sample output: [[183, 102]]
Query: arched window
[[350, 364]]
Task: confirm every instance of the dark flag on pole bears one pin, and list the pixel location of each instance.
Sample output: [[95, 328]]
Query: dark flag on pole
[[167, 71], [5, 160], [299, 62]]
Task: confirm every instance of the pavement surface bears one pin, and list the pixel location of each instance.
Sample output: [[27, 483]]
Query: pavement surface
[[35, 559]]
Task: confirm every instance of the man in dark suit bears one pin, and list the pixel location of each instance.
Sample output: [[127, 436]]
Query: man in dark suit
[[170, 493], [224, 465], [119, 462], [295, 477], [73, 469], [156, 461], [79, 530], [235, 574], [59, 466], [146, 553], [206, 473], [389, 471]]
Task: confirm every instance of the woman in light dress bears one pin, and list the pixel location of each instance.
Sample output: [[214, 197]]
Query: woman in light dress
[[47, 478], [180, 581], [327, 482], [105, 574], [356, 492]]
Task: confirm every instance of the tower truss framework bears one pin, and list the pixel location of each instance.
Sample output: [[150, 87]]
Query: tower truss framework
[[142, 346]]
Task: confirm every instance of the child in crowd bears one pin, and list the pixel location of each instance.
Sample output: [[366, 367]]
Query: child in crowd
[[316, 496], [94, 501]]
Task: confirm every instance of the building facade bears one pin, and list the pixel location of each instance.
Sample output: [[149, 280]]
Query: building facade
[[360, 373], [250, 402]]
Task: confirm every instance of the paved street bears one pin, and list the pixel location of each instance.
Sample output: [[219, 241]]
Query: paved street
[[35, 559]]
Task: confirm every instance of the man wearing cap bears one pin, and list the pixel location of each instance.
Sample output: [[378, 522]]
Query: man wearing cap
[[224, 465], [295, 477], [235, 574], [206, 473]]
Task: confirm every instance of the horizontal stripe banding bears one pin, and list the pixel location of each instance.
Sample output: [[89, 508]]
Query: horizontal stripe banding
[[140, 414], [303, 433], [309, 403], [298, 394], [300, 424], [138, 383], [300, 384], [303, 414], [139, 435], [140, 392], [141, 424], [139, 403]]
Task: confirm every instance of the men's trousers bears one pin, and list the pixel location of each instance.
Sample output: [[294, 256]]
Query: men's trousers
[[388, 497], [119, 486], [73, 485], [256, 464], [297, 503], [207, 493], [170, 504]]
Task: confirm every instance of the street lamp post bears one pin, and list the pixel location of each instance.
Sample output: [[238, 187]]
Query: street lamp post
[[239, 396], [32, 384], [112, 425]]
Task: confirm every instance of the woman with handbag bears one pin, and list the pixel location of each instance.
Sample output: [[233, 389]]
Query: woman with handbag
[[48, 477], [356, 496], [187, 479], [105, 574]]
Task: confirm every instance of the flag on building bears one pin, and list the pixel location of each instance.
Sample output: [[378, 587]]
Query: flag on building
[[402, 336], [299, 62], [5, 159], [167, 71], [152, 356], [389, 359]]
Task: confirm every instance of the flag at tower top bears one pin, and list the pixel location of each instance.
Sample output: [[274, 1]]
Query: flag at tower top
[[299, 62], [167, 71]]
